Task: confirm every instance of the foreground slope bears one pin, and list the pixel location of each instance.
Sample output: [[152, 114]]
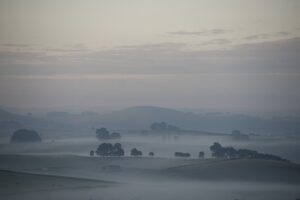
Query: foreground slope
[[149, 168]]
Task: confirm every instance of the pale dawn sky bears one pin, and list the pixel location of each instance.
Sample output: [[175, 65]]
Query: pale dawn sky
[[233, 55]]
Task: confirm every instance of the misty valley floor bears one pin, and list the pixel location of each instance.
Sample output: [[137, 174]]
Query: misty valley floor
[[61, 168], [79, 177]]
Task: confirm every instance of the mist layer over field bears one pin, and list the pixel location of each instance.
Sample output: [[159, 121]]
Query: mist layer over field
[[162, 145], [63, 169]]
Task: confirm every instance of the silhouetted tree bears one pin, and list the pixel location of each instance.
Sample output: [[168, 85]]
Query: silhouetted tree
[[201, 154], [104, 149], [246, 153], [102, 133], [216, 146], [135, 152], [180, 154], [24, 135], [151, 154], [92, 153], [163, 126], [117, 150], [217, 150], [229, 152], [107, 149]]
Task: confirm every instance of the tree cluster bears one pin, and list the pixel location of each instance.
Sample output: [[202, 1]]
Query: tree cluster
[[103, 133], [219, 151], [163, 126], [24, 135], [181, 154], [107, 149], [151, 154], [135, 152], [201, 154]]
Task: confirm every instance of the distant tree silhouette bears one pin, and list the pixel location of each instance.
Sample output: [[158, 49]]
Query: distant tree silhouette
[[217, 150], [246, 153], [163, 126], [118, 150], [135, 152], [216, 146], [180, 154], [102, 133], [24, 135], [229, 152], [151, 154], [104, 149], [107, 149], [201, 154], [92, 153]]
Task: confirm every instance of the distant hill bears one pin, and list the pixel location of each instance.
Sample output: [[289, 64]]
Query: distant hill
[[239, 169], [141, 117], [6, 116], [10, 121]]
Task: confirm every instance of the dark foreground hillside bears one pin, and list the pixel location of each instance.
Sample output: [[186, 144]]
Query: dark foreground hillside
[[77, 177]]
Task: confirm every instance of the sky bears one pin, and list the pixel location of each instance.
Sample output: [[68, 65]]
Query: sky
[[233, 55]]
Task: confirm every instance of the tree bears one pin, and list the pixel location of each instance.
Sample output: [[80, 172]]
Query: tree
[[163, 126], [24, 135], [217, 150], [151, 154], [246, 153], [117, 150], [135, 152], [201, 154], [229, 152], [216, 146], [104, 149], [181, 154], [92, 153], [107, 149], [223, 152], [102, 133]]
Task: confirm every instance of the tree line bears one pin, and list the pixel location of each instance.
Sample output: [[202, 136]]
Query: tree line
[[218, 151], [111, 150], [104, 134]]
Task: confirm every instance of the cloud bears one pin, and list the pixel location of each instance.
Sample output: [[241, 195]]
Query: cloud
[[217, 31], [155, 46], [266, 36], [281, 56], [14, 45], [62, 50], [220, 41], [248, 75]]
